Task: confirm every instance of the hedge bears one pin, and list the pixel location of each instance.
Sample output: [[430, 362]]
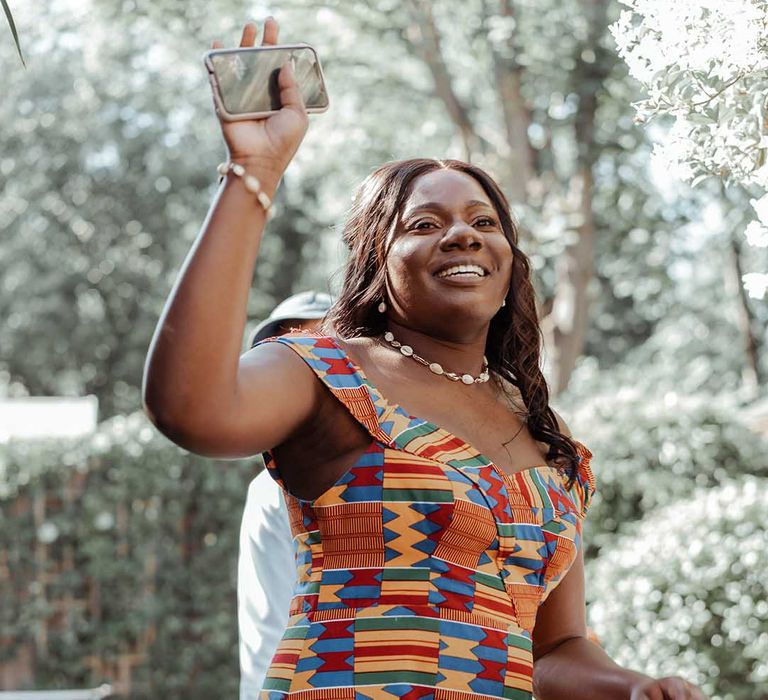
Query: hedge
[[121, 553], [687, 592]]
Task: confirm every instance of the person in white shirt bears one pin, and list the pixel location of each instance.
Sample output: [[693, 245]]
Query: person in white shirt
[[266, 574], [266, 570]]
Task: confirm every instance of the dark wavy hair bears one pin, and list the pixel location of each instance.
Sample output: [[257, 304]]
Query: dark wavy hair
[[514, 339]]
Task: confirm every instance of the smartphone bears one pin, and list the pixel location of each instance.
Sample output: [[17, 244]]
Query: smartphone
[[244, 80]]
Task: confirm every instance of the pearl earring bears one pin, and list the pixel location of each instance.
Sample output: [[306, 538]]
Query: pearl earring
[[382, 307], [504, 302]]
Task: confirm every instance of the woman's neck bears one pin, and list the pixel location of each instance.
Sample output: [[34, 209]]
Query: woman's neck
[[459, 354]]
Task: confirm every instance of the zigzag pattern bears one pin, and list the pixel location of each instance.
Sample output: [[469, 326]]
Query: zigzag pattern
[[420, 571]]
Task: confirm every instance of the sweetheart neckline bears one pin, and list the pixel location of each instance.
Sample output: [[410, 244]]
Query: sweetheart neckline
[[396, 406]]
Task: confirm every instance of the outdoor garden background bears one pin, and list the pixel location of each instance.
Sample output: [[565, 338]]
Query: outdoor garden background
[[118, 550]]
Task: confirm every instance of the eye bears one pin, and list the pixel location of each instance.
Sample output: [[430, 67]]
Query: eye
[[485, 221], [418, 225]]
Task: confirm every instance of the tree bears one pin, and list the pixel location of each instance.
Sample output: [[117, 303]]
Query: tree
[[105, 192], [522, 99], [704, 64], [119, 169]]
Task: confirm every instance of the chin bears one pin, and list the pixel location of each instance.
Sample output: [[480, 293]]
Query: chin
[[467, 311]]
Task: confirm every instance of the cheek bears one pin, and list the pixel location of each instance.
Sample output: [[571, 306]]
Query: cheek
[[405, 265], [406, 259], [506, 257]]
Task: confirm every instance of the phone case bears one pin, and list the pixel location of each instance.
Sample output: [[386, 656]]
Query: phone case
[[228, 116]]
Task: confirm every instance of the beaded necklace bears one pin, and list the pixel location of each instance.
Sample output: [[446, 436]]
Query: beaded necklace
[[436, 367]]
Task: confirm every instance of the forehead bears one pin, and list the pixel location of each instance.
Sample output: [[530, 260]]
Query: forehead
[[449, 187]]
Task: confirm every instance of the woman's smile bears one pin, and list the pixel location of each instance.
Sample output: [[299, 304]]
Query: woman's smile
[[462, 273]]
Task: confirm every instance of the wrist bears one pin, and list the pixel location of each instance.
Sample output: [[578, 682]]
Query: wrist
[[262, 190], [264, 169]]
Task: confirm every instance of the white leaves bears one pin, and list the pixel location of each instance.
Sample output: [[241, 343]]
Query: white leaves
[[761, 208], [756, 284], [756, 234], [705, 63]]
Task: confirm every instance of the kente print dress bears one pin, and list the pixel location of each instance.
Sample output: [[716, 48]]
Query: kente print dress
[[420, 571]]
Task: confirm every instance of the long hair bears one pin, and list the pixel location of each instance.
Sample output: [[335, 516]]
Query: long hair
[[514, 340]]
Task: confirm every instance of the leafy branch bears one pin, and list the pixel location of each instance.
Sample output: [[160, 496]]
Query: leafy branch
[[718, 93]]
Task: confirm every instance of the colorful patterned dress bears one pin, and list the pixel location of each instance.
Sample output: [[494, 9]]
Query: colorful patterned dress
[[421, 569]]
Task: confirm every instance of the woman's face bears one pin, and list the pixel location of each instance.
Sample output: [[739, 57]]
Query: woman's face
[[449, 259]]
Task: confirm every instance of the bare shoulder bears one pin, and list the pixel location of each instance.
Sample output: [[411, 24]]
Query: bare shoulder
[[362, 351], [360, 345]]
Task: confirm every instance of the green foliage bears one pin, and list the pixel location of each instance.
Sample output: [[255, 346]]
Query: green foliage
[[655, 444], [117, 544], [686, 593], [109, 155]]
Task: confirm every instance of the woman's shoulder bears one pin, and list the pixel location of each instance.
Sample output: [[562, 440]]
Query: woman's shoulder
[[301, 337], [330, 357]]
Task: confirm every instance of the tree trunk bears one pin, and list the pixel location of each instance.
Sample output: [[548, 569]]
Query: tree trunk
[[508, 75], [751, 373], [424, 37], [565, 329]]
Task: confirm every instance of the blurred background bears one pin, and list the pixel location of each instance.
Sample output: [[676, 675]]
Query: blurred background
[[118, 550]]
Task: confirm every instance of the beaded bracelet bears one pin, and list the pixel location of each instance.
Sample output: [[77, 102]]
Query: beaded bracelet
[[251, 183]]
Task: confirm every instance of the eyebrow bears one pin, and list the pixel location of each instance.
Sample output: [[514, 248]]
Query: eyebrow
[[437, 205]]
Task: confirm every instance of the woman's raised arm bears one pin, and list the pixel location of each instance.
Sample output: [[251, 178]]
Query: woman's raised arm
[[197, 390]]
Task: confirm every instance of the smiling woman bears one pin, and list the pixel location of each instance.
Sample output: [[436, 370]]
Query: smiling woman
[[436, 501], [435, 241]]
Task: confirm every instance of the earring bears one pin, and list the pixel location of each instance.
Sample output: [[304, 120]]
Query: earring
[[504, 302], [382, 307]]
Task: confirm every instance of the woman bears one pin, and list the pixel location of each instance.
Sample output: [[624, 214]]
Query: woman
[[439, 546]]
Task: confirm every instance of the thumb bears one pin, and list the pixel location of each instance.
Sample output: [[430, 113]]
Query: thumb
[[290, 95]]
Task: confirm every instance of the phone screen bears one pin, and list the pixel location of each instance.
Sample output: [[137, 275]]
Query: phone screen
[[247, 78]]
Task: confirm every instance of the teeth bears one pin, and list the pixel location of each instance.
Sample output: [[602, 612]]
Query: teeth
[[462, 269]]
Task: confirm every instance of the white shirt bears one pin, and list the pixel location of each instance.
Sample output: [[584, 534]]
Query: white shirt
[[266, 576]]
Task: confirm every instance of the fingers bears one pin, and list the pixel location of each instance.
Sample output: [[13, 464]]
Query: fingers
[[250, 30], [249, 35], [271, 30], [290, 95], [676, 688]]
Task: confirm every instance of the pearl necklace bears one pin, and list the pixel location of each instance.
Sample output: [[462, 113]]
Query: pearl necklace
[[436, 368]]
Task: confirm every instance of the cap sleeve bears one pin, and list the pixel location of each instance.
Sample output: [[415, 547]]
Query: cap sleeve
[[585, 486]]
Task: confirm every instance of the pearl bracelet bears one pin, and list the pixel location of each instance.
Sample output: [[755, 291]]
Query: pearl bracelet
[[251, 183]]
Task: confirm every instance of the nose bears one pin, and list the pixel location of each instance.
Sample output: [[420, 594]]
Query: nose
[[461, 236]]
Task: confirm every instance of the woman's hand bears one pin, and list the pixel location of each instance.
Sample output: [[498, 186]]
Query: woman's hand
[[670, 688], [272, 142]]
